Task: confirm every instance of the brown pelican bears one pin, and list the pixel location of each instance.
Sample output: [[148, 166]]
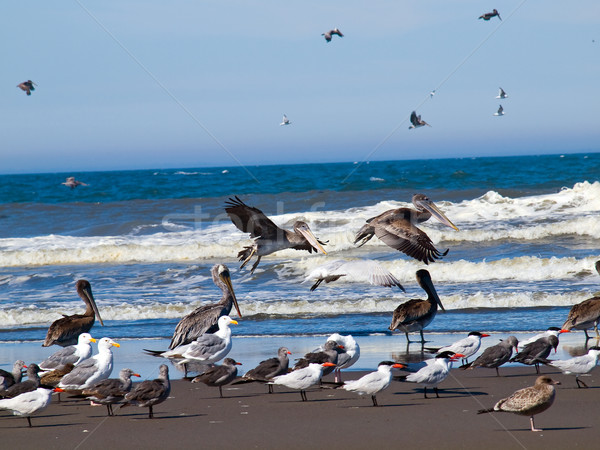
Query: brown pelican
[[29, 403], [488, 16], [535, 353], [204, 318], [416, 121], [373, 382], [585, 315], [500, 111], [501, 94], [415, 315], [53, 378], [528, 401], [285, 121], [27, 86], [7, 379], [150, 392], [397, 228], [329, 34], [494, 356], [73, 183], [219, 375], [268, 237], [111, 390], [65, 331]]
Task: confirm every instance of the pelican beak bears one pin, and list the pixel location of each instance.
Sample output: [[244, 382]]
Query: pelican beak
[[90, 296], [226, 278], [234, 322], [93, 340], [437, 213], [312, 240], [114, 344]]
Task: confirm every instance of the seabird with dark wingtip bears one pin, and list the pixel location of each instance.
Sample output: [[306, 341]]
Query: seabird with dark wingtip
[[29, 403], [500, 111], [285, 121], [330, 353], [528, 401], [150, 392], [373, 382], [501, 94], [219, 376], [92, 370], [489, 15], [204, 319], [111, 390], [397, 228], [579, 365], [434, 372], [73, 183], [328, 35], [416, 121], [30, 384], [494, 356], [467, 346], [304, 378], [268, 237], [66, 331], [27, 86], [585, 315], [535, 353], [348, 357], [415, 314], [73, 354], [268, 369], [7, 379]]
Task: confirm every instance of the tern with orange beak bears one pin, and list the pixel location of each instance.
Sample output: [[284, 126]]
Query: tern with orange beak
[[435, 371], [373, 382], [303, 378]]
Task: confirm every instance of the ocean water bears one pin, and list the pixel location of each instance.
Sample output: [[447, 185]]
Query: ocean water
[[529, 235]]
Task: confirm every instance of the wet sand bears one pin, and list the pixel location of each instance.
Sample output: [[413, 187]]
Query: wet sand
[[195, 417]]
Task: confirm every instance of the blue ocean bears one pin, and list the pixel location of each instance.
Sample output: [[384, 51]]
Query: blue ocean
[[529, 235]]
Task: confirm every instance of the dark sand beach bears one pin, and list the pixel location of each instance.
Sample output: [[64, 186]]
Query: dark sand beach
[[195, 417]]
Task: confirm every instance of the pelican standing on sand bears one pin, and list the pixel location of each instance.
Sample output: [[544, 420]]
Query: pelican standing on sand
[[415, 315], [494, 356], [373, 382], [585, 315], [204, 319], [268, 237], [89, 372], [397, 228], [528, 401], [303, 378], [66, 331], [219, 376], [27, 86], [268, 369], [150, 392], [111, 390], [29, 403], [73, 354], [416, 121]]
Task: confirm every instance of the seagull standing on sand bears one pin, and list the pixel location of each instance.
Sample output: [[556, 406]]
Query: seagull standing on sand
[[331, 353], [303, 378], [501, 94], [500, 111], [416, 121], [29, 403], [29, 385], [535, 353], [89, 372], [73, 354], [329, 34], [27, 86], [219, 375], [488, 16], [268, 369], [467, 346], [373, 382], [7, 379], [150, 392], [579, 365], [494, 356], [285, 121], [346, 358], [435, 371], [110, 391], [528, 401]]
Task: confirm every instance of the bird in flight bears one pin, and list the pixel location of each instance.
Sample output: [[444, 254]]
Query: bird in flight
[[329, 34]]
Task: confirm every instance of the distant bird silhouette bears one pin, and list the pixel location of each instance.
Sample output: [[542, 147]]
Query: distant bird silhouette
[[285, 121], [416, 121], [500, 111], [501, 94], [329, 34], [27, 86], [488, 16], [73, 183]]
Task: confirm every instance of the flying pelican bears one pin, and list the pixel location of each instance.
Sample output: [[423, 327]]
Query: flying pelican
[[501, 94], [285, 121], [488, 16], [373, 382], [150, 392], [536, 352], [268, 369], [416, 121], [73, 183], [72, 354], [329, 34], [494, 356], [219, 376], [500, 111], [29, 403], [66, 331], [365, 270], [579, 365], [397, 228], [268, 237], [27, 86], [585, 315], [111, 390], [528, 401], [415, 315], [92, 370], [204, 318]]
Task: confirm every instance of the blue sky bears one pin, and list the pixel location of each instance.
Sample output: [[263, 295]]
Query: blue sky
[[155, 84]]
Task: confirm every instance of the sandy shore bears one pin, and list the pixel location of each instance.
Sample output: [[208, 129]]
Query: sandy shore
[[195, 417]]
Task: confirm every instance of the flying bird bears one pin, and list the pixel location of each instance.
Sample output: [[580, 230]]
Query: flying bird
[[150, 392], [27, 86], [73, 183], [329, 34], [373, 382], [585, 315], [489, 15], [416, 121], [528, 401], [500, 111], [268, 237], [502, 94], [285, 121], [219, 376], [66, 331]]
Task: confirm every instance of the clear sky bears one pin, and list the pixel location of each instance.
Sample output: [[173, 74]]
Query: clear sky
[[156, 84]]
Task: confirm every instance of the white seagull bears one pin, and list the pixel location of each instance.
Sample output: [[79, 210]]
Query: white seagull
[[285, 121], [373, 382], [500, 111], [89, 372], [73, 354], [347, 358], [502, 94], [436, 371], [467, 346], [303, 378], [29, 403], [578, 366]]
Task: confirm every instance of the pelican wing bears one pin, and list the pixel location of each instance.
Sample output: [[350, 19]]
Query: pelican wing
[[200, 321], [414, 119], [251, 220], [409, 311]]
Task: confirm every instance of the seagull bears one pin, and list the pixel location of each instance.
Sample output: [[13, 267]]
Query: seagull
[[579, 365], [73, 354], [7, 379], [303, 378], [536, 352], [268, 369], [500, 111], [488, 16], [73, 183], [92, 370], [432, 93], [29, 403], [329, 34], [111, 390], [551, 331], [528, 401], [285, 121], [360, 270], [346, 358], [434, 372], [330, 353], [494, 356], [502, 94], [219, 375], [29, 385], [27, 86], [150, 392], [467, 346], [416, 121], [373, 382]]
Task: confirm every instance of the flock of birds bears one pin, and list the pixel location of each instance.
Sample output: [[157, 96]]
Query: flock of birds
[[203, 337]]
